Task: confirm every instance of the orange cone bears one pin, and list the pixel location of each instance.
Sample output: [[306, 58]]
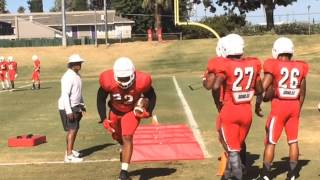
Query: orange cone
[[222, 164]]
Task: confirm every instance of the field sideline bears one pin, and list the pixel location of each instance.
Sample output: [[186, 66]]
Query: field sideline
[[26, 111]]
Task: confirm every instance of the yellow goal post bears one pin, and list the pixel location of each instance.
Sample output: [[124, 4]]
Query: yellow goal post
[[177, 21]]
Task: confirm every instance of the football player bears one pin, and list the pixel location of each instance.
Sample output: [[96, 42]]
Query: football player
[[125, 86], [208, 80], [4, 73], [12, 70], [240, 77], [36, 72], [287, 77]]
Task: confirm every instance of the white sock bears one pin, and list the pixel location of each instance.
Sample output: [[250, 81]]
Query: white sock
[[124, 166], [2, 85], [7, 82]]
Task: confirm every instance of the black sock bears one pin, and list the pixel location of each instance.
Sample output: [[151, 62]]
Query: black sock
[[243, 154], [266, 169], [33, 86], [12, 84], [292, 170], [39, 86]]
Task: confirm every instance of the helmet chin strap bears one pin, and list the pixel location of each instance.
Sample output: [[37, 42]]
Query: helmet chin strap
[[126, 85]]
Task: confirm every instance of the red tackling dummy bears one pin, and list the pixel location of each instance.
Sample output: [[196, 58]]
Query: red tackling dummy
[[165, 143], [26, 140]]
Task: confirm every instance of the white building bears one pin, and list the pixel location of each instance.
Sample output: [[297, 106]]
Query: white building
[[79, 24]]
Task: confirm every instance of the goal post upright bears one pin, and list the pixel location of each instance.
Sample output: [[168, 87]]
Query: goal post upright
[[177, 21]]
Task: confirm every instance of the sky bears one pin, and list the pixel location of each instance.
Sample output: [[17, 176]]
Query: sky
[[296, 12], [13, 5]]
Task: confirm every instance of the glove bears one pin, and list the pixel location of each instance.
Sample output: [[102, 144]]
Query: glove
[[107, 126], [141, 113]]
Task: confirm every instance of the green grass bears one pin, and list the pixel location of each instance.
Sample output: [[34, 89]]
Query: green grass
[[26, 111]]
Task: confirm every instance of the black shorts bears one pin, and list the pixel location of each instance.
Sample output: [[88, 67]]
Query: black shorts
[[75, 124]]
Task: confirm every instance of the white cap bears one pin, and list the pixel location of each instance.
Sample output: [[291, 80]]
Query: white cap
[[35, 57], [75, 58]]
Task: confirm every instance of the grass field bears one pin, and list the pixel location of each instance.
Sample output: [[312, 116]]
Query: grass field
[[26, 111]]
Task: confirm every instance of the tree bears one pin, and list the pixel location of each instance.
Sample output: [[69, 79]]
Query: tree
[[157, 6], [3, 5], [133, 10], [21, 9], [250, 5], [98, 4], [57, 5], [79, 5], [144, 17], [35, 5]]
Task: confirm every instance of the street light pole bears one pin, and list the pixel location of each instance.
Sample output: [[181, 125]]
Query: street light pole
[[309, 19], [95, 28], [63, 11], [105, 21]]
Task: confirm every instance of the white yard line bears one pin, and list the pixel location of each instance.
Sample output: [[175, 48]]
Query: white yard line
[[16, 88], [56, 162], [192, 122]]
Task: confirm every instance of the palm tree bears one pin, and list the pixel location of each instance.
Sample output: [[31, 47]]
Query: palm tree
[[3, 6], [157, 6]]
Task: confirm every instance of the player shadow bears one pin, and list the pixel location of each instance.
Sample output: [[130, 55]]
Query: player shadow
[[279, 167], [91, 150], [251, 171], [27, 89], [149, 173]]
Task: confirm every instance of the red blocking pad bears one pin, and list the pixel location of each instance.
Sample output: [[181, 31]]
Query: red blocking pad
[[165, 142], [26, 140]]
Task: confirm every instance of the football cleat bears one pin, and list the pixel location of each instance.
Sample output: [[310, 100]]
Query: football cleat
[[291, 175], [72, 159], [124, 175], [76, 153]]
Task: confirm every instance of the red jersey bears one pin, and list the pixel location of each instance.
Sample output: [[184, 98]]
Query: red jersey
[[240, 79], [123, 100], [36, 65], [12, 66], [288, 76], [212, 66], [4, 66], [213, 63]]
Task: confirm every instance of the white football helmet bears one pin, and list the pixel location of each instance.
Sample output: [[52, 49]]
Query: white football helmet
[[282, 45], [10, 58], [219, 51], [34, 58], [1, 58], [124, 72], [232, 44]]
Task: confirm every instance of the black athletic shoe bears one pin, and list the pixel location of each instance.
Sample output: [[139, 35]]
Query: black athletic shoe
[[291, 175], [263, 178], [124, 175]]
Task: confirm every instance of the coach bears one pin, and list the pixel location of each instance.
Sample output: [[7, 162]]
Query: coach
[[71, 105]]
